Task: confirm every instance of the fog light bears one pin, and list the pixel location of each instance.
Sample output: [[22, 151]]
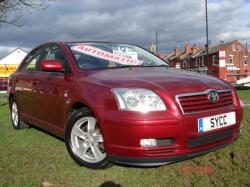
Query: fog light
[[148, 142]]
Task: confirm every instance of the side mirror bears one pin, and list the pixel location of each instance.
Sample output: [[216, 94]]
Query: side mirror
[[51, 65]]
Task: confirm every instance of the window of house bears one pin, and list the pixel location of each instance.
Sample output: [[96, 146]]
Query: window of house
[[214, 63], [245, 60], [215, 60], [233, 48], [239, 48], [231, 59], [185, 64], [202, 61]]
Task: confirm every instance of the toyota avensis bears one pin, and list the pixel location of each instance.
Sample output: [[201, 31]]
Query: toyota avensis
[[119, 103]]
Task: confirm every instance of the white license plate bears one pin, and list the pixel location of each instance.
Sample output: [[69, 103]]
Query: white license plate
[[216, 122]]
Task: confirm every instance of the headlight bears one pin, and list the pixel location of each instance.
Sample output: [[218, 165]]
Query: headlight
[[138, 99]]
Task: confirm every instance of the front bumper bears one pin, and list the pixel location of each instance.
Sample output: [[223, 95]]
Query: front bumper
[[158, 161], [123, 131]]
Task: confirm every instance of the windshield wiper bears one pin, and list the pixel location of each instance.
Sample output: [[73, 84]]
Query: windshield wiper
[[162, 65], [129, 66], [136, 66]]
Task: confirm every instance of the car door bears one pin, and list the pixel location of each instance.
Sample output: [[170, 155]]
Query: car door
[[51, 91], [25, 84]]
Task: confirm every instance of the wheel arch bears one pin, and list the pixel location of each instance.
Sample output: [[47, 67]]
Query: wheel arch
[[10, 98], [74, 114], [76, 106]]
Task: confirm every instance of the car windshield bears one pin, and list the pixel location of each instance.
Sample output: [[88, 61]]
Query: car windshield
[[112, 55]]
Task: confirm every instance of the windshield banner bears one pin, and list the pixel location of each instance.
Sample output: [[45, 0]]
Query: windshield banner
[[95, 52]]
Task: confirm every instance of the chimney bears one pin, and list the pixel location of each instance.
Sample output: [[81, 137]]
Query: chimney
[[194, 49], [187, 49], [176, 51]]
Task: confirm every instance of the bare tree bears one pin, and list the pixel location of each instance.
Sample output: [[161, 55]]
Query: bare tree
[[11, 10]]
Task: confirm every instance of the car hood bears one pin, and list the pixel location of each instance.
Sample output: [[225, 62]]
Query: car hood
[[172, 80]]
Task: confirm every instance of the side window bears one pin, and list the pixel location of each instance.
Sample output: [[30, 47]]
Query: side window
[[55, 53], [31, 62], [31, 66]]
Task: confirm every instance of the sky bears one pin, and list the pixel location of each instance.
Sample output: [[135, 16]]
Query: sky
[[133, 22]]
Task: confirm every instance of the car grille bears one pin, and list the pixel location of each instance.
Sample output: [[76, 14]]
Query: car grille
[[198, 102], [203, 140]]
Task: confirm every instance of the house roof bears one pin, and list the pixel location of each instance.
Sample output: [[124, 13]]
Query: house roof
[[215, 49], [170, 56], [184, 55], [14, 57], [177, 56]]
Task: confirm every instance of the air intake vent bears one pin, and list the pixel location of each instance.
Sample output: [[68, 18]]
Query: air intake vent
[[203, 140]]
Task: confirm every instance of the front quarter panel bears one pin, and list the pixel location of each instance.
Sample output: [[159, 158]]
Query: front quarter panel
[[97, 96]]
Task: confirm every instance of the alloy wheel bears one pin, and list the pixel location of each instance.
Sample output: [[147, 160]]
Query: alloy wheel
[[87, 140], [14, 114]]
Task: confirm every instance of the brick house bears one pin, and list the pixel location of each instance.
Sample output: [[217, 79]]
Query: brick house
[[228, 61], [183, 59]]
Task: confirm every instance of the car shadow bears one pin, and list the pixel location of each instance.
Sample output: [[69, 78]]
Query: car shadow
[[46, 132], [110, 184]]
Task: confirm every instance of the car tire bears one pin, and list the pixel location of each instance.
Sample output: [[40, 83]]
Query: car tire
[[84, 140], [17, 123]]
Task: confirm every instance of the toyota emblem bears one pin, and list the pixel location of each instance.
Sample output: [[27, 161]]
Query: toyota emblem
[[213, 96]]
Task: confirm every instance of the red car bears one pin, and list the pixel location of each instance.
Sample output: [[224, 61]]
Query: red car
[[119, 103]]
